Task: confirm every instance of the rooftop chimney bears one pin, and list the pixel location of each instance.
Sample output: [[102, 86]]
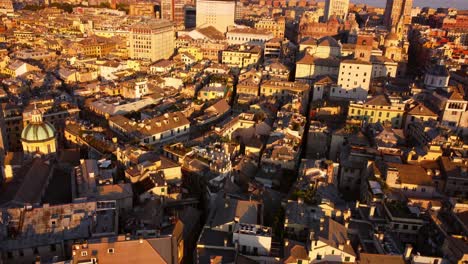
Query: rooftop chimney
[[312, 235], [372, 211], [408, 250]]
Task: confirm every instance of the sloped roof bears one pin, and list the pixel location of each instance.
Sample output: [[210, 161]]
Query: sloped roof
[[379, 259], [412, 174], [211, 32], [456, 96], [325, 80], [328, 42], [335, 234], [380, 100], [438, 70], [155, 250], [421, 110], [310, 59]]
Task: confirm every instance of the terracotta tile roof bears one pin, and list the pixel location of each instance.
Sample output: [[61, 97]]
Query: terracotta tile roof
[[412, 174], [328, 42], [380, 100], [456, 96], [421, 110], [211, 32], [128, 251], [335, 234], [379, 259]]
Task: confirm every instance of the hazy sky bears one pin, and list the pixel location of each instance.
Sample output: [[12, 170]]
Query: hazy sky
[[459, 4]]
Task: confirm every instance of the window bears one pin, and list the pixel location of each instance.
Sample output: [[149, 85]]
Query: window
[[84, 253], [405, 227], [319, 257], [347, 259]]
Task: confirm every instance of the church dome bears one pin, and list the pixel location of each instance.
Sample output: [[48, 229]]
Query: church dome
[[38, 130]]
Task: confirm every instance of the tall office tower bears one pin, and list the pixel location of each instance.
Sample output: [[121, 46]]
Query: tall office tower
[[142, 9], [397, 9], [174, 10], [167, 9], [338, 8], [179, 10], [190, 17], [216, 13], [152, 40]]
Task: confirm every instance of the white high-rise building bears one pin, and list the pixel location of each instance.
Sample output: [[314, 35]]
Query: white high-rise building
[[152, 40], [354, 79], [339, 8], [217, 13]]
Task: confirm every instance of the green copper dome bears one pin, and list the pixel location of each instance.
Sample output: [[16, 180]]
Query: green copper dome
[[37, 132]]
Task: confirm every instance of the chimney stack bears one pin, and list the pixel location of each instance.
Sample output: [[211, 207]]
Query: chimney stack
[[372, 211], [381, 236], [408, 250]]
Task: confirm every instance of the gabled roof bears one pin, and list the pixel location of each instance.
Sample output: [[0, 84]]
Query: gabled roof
[[328, 42], [380, 100], [456, 96], [310, 59], [228, 209], [335, 234], [421, 110], [325, 80], [220, 107]]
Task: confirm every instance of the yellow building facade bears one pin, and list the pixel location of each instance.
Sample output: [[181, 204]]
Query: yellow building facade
[[378, 110]]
